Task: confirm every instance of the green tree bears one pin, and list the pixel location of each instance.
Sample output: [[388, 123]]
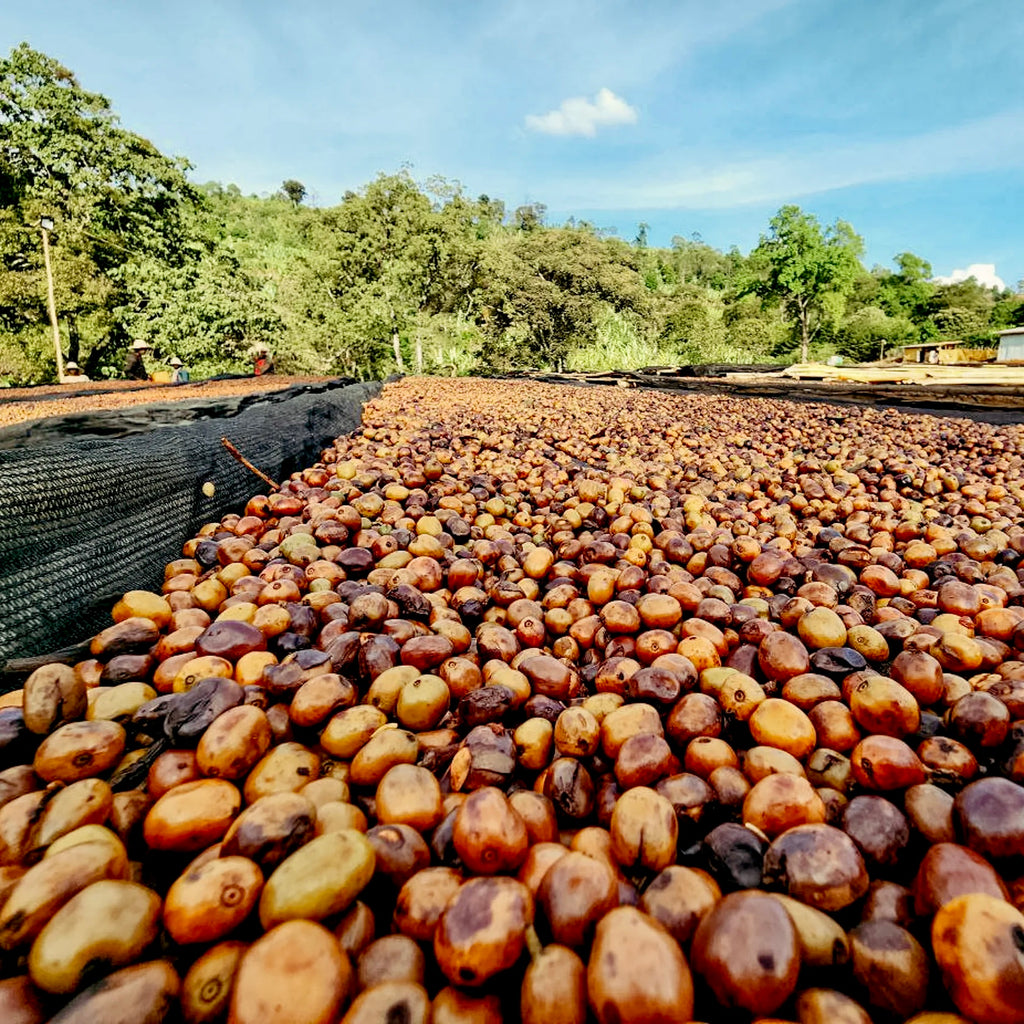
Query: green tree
[[530, 217], [1008, 312], [401, 258], [909, 291], [969, 294], [963, 310], [287, 263], [112, 195], [754, 339], [806, 268], [696, 263], [544, 292], [492, 211], [694, 326], [869, 332], [867, 289], [381, 259], [912, 268], [959, 322], [64, 149], [208, 312], [294, 190]]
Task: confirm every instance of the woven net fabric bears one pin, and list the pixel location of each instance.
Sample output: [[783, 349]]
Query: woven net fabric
[[96, 507]]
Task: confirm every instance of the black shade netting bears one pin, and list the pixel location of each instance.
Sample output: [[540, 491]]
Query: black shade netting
[[92, 506]]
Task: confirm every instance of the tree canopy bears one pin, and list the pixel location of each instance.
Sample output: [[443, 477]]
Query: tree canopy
[[400, 274], [808, 269]]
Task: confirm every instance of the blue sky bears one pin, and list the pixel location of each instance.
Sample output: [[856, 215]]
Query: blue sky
[[905, 117]]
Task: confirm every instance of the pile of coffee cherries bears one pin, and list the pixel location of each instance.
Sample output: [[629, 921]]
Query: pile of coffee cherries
[[548, 704]]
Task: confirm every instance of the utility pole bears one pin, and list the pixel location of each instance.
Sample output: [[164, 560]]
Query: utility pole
[[46, 224]]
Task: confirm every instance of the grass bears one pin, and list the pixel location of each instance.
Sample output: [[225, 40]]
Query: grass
[[619, 347]]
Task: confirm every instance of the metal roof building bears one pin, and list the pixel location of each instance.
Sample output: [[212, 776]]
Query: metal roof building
[[1011, 345]]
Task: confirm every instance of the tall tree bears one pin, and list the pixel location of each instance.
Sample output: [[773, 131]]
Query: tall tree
[[397, 259], [530, 217], [64, 149], [112, 195], [806, 268], [909, 291], [545, 291], [694, 326], [294, 190]]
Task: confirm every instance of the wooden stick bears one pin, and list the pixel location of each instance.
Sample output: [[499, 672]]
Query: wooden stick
[[18, 669], [248, 465]]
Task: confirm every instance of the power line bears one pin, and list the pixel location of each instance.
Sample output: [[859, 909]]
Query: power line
[[107, 241]]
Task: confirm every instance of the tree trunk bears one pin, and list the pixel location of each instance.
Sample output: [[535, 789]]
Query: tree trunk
[[74, 347], [805, 332], [419, 352], [397, 346]]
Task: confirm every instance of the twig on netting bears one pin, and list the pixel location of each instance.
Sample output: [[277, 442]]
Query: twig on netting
[[248, 465]]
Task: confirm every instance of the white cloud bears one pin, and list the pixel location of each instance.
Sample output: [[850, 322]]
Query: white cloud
[[580, 116], [983, 273]]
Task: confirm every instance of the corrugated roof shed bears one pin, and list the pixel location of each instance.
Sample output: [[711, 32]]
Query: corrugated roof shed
[[1011, 345]]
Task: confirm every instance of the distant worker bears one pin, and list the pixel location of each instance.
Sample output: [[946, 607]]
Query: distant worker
[[72, 374], [264, 361], [181, 374], [134, 367]]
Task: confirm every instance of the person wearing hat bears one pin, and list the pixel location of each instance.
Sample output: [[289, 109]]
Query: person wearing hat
[[181, 374], [134, 367], [72, 373]]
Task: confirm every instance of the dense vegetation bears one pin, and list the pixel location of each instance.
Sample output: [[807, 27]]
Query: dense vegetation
[[402, 275]]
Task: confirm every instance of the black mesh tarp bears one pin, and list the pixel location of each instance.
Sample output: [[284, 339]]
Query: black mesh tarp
[[94, 505]]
